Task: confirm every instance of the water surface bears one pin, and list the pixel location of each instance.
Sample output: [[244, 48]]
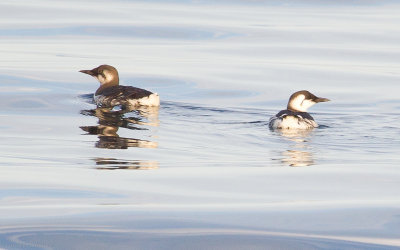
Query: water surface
[[203, 170]]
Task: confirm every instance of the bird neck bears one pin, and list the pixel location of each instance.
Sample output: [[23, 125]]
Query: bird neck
[[105, 86]]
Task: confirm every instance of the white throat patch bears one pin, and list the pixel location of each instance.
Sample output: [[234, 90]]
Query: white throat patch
[[108, 77], [299, 103]]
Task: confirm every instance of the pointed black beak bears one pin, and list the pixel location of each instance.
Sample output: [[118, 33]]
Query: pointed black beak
[[89, 72], [320, 99]]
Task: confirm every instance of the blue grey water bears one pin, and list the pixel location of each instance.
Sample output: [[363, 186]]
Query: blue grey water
[[203, 170]]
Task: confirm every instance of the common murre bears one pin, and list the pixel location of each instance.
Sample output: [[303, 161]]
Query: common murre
[[296, 116], [111, 94]]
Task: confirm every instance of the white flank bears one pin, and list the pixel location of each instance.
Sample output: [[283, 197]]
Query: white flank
[[151, 100], [291, 122]]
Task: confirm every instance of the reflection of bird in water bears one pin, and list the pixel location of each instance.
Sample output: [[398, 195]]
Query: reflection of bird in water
[[297, 157], [116, 142], [111, 94], [113, 164], [296, 116], [110, 122], [296, 135]]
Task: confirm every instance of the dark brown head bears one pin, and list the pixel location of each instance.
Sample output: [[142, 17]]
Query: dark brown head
[[106, 74], [302, 100]]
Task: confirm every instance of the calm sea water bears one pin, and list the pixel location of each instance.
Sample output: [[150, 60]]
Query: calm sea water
[[203, 170]]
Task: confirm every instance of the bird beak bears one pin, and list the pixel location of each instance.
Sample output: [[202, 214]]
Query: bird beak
[[320, 99], [89, 72]]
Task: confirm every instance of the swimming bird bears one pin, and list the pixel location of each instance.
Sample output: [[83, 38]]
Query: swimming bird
[[296, 116], [111, 94]]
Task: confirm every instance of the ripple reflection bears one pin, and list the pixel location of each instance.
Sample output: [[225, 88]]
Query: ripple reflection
[[109, 122], [113, 164], [298, 155]]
